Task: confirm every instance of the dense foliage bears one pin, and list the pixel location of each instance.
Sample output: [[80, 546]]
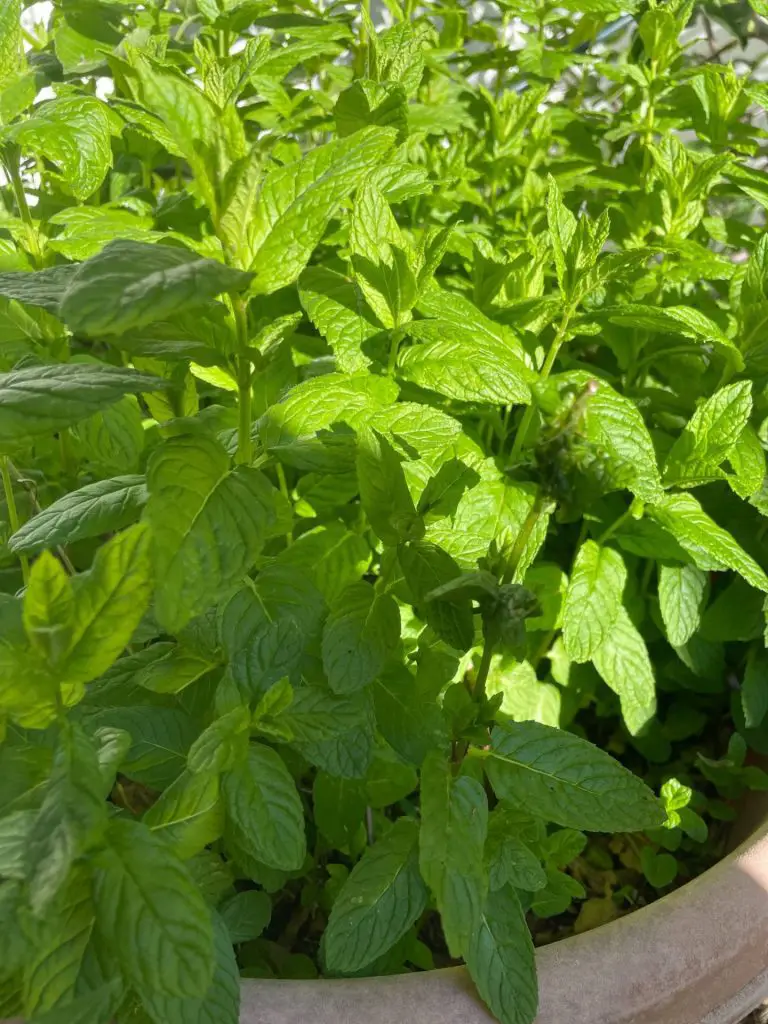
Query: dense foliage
[[382, 428]]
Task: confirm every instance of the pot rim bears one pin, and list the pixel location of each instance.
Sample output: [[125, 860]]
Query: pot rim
[[696, 956]]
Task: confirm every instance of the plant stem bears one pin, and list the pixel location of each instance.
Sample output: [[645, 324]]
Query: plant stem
[[615, 525], [394, 345], [33, 239], [13, 514], [549, 362], [520, 541], [483, 669], [244, 444]]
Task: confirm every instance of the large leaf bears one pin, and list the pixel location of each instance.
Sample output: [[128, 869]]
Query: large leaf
[[189, 814], [338, 310], [98, 508], [592, 600], [209, 523], [501, 960], [43, 399], [298, 200], [360, 633], [131, 284], [335, 732], [563, 778], [219, 1005], [383, 896], [264, 810], [454, 825], [709, 436], [457, 363], [152, 914], [709, 545]]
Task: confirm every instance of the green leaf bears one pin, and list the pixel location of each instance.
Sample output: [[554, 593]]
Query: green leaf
[[509, 858], [313, 427], [43, 399], [710, 546], [15, 829], [129, 285], [219, 1005], [562, 227], [57, 969], [427, 567], [95, 1007], [359, 635], [334, 732], [501, 961], [331, 555], [691, 323], [209, 523], [454, 825], [151, 913], [338, 311], [104, 506], [339, 806], [623, 662], [222, 745], [383, 896], [754, 690], [10, 39], [268, 624], [407, 715], [189, 814], [74, 134], [72, 818], [384, 492], [264, 810], [709, 436], [592, 600], [616, 427], [524, 697], [246, 915], [110, 600], [457, 363], [563, 778], [298, 200], [49, 609], [682, 594]]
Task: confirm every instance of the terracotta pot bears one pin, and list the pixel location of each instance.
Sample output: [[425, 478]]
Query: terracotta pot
[[698, 956]]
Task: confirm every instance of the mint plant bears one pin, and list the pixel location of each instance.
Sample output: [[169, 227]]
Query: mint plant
[[382, 432]]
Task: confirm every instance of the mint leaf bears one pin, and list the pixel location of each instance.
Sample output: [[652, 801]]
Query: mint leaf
[[454, 825], [682, 592], [563, 778], [40, 400], [500, 959], [623, 662], [592, 600], [359, 634], [709, 436], [264, 810], [383, 896], [191, 491], [154, 920]]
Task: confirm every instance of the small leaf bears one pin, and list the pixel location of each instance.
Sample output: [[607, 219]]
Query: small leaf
[[246, 915], [682, 595], [710, 435], [623, 662]]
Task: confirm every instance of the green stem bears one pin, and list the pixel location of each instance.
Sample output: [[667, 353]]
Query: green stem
[[615, 525], [484, 668], [13, 514], [521, 540], [13, 168], [394, 345], [244, 443], [283, 484], [549, 362]]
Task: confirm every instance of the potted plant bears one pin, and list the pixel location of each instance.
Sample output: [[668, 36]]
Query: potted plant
[[382, 428]]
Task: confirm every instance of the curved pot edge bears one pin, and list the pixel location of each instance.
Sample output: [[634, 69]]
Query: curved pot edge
[[697, 956]]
